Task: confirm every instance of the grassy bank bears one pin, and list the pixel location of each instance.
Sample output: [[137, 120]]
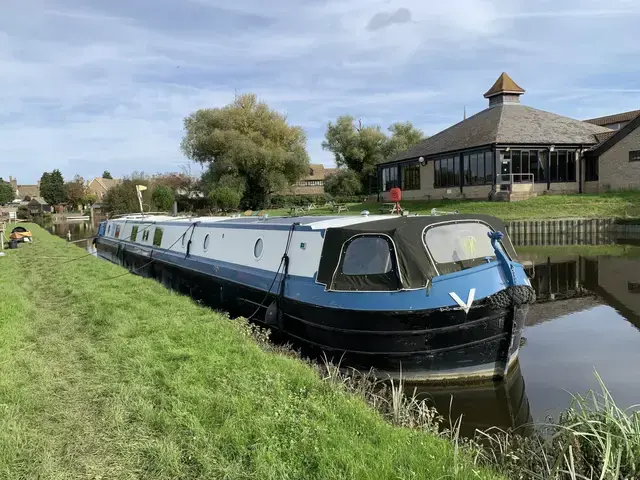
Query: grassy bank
[[111, 376], [615, 204]]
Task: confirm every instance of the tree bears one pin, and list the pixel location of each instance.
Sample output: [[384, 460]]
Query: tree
[[355, 146], [360, 148], [52, 188], [225, 197], [250, 142], [7, 194], [89, 199], [75, 191], [344, 182], [162, 197], [123, 198], [403, 136], [107, 175]]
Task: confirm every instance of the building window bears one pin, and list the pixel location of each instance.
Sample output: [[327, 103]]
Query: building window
[[634, 156], [562, 166], [446, 172], [134, 233], [389, 178], [526, 164], [591, 169], [157, 237], [310, 183], [410, 176], [477, 168]]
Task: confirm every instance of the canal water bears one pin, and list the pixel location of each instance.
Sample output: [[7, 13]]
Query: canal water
[[586, 320]]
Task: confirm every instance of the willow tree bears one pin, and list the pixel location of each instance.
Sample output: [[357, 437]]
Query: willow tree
[[249, 142]]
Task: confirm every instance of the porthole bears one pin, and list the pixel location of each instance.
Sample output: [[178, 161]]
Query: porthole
[[257, 249], [205, 244]]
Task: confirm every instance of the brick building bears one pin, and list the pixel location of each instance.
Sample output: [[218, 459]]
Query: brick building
[[100, 186], [24, 191], [313, 183], [512, 151]]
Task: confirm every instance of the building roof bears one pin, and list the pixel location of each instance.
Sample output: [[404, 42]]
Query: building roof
[[38, 200], [507, 124], [28, 191], [106, 183], [504, 84], [615, 118], [608, 141]]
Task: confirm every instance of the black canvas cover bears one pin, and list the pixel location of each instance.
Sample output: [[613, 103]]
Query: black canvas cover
[[412, 267]]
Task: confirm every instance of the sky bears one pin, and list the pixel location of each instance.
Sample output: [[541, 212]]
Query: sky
[[87, 86]]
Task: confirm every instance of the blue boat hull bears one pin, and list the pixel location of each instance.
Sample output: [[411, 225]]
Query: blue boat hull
[[438, 343]]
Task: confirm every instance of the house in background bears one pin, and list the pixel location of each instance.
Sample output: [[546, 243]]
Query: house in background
[[100, 186], [511, 151], [23, 191], [616, 121], [38, 205], [313, 183]]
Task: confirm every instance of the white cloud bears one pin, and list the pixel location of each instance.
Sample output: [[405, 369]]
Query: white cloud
[[105, 85]]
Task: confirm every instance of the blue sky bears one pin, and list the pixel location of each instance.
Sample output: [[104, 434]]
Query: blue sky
[[92, 85]]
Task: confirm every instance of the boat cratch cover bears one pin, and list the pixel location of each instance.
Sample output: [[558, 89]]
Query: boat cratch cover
[[390, 254]]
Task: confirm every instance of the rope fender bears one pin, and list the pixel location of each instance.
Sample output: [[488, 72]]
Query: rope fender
[[513, 296]]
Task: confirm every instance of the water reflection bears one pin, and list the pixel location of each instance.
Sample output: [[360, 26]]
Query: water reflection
[[501, 404]]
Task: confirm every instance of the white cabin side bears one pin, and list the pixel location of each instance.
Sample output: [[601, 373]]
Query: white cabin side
[[260, 247]]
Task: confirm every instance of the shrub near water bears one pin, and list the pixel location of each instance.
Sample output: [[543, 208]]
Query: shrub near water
[[104, 374]]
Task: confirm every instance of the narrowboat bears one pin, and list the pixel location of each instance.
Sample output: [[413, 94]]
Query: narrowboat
[[434, 297]]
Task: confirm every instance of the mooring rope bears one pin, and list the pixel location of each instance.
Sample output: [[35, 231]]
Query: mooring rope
[[284, 261]]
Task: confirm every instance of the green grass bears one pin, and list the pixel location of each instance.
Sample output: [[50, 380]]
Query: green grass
[[121, 379], [622, 204]]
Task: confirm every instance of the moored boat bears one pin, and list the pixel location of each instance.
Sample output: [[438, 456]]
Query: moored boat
[[436, 297]]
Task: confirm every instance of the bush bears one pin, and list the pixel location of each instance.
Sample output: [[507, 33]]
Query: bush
[[162, 197], [23, 213], [225, 197]]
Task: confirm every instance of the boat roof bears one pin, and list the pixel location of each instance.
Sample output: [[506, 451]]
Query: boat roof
[[315, 222]]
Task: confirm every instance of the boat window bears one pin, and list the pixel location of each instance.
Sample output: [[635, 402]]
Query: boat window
[[117, 235], [205, 244], [145, 234], [257, 248], [109, 228], [157, 237], [184, 238], [366, 265], [457, 246], [134, 233], [367, 256]]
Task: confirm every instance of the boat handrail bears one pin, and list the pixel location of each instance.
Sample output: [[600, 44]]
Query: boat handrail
[[435, 211]]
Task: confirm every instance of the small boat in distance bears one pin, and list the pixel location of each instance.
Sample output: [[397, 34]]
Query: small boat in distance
[[435, 297]]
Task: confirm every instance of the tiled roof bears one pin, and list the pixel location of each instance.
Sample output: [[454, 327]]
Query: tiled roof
[[507, 123], [316, 172], [616, 118], [504, 84], [107, 183], [329, 171], [28, 191]]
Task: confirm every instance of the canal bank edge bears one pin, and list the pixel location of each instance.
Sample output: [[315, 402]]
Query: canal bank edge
[[105, 372]]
